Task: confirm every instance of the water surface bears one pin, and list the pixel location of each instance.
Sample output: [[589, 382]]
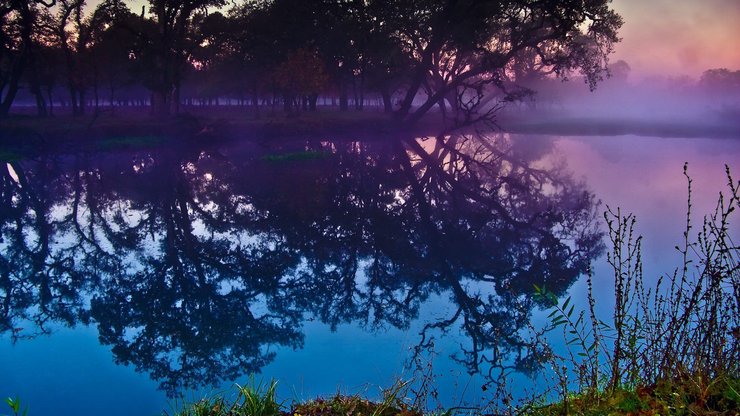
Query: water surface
[[131, 277]]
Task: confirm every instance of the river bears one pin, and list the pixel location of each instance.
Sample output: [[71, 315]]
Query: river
[[134, 276]]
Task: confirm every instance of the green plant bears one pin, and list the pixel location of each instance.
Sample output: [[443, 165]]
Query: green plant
[[15, 405], [296, 156], [257, 399], [390, 397]]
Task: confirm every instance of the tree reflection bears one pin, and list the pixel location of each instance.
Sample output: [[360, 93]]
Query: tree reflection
[[44, 269], [193, 263]]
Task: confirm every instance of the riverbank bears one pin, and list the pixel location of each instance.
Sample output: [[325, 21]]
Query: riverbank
[[690, 396], [239, 123], [584, 126], [227, 122]]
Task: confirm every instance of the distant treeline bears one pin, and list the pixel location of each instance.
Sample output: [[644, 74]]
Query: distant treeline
[[406, 56]]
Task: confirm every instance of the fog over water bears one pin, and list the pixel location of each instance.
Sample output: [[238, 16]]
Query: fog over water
[[709, 101]]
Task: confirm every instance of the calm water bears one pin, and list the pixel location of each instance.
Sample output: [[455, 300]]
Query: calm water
[[131, 277]]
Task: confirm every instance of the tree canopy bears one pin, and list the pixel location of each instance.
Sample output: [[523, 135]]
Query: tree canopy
[[410, 55]]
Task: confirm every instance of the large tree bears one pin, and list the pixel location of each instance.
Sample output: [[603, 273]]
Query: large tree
[[18, 19], [73, 37], [461, 47], [172, 48]]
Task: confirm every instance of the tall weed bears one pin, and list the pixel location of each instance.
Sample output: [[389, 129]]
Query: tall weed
[[684, 327]]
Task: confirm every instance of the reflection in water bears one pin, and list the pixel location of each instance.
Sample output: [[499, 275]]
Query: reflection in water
[[193, 263]]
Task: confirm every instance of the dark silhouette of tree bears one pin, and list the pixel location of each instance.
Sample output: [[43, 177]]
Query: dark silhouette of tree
[[172, 48], [217, 68], [18, 20], [51, 258], [111, 40], [190, 314], [419, 221], [461, 56], [301, 77], [468, 43], [72, 35]]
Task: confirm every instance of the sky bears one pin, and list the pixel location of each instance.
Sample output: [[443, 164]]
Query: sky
[[679, 37], [666, 37]]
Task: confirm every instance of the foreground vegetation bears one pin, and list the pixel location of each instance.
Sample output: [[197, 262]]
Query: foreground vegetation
[[678, 397]]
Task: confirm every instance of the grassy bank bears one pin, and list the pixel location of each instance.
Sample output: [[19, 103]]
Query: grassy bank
[[585, 126], [206, 123], [712, 397], [191, 122]]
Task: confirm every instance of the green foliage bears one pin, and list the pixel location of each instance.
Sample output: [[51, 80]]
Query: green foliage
[[295, 156], [130, 142], [259, 399], [7, 155], [255, 399], [15, 405]]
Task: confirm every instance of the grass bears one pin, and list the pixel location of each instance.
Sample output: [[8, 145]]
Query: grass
[[255, 399], [680, 398], [295, 156], [16, 406], [666, 397], [130, 142], [223, 122], [258, 399]]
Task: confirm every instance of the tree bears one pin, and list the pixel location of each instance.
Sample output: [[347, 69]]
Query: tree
[[113, 38], [301, 77], [73, 36], [467, 44], [256, 50], [720, 80], [172, 48], [620, 71], [193, 261], [44, 61], [17, 23]]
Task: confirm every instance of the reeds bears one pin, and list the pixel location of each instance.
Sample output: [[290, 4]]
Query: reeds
[[678, 335]]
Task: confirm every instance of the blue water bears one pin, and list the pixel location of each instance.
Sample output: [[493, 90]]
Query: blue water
[[134, 277]]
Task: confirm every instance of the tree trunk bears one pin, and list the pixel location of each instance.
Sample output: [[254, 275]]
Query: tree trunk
[[255, 101], [343, 100], [15, 76], [51, 100], [82, 101], [159, 104], [387, 103]]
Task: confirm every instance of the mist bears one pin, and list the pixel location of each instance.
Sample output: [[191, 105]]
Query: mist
[[656, 105]]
